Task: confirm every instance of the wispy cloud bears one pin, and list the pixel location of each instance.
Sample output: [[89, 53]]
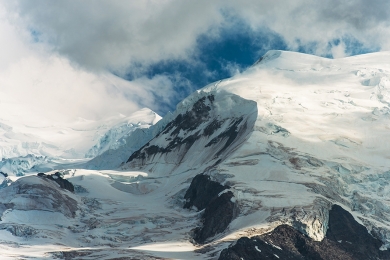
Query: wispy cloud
[[60, 92]]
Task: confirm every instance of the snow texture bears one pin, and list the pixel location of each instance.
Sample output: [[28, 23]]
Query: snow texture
[[291, 136]]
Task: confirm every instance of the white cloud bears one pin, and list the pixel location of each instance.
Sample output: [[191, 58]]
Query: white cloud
[[338, 51], [60, 92], [57, 51], [101, 34], [50, 87], [12, 45], [304, 21]]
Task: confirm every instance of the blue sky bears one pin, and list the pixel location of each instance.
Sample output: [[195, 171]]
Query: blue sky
[[235, 49], [217, 58], [165, 50]]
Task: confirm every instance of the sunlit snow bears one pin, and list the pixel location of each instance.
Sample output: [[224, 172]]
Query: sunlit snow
[[320, 138]]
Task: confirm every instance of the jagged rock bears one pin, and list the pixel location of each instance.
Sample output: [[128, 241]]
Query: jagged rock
[[21, 230], [67, 255], [352, 236], [79, 189], [220, 209], [284, 242], [203, 125], [57, 177], [92, 223], [183, 122], [4, 180], [345, 239], [217, 217], [201, 191]]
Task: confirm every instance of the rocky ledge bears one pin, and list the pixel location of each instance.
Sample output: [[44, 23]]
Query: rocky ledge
[[57, 177], [345, 239], [217, 202]]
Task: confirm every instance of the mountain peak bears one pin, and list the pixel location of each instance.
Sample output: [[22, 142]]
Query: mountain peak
[[284, 142]]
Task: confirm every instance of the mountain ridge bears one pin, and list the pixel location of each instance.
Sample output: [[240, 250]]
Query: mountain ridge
[[287, 141]]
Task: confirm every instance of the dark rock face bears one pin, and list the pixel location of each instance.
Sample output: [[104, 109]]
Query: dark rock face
[[217, 217], [202, 191], [65, 184], [219, 210], [352, 236], [284, 242], [183, 122], [230, 135], [68, 255]]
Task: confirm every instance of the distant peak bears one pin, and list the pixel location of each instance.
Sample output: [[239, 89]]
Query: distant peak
[[290, 60], [270, 55]]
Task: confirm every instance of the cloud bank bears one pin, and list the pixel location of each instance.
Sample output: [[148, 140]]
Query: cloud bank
[[69, 47], [115, 33]]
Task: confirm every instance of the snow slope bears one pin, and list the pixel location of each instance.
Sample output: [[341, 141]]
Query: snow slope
[[41, 145], [291, 136], [320, 138]]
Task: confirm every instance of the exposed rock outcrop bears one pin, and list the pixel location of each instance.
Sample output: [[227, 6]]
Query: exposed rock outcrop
[[218, 203], [284, 242], [202, 127], [217, 217], [21, 230], [346, 239], [202, 191], [57, 177], [352, 236]]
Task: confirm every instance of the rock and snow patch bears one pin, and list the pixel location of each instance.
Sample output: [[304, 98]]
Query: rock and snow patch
[[35, 193], [217, 202], [215, 124], [291, 242], [117, 135]]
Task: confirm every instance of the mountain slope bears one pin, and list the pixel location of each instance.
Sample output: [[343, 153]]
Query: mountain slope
[[27, 148], [314, 143], [279, 149]]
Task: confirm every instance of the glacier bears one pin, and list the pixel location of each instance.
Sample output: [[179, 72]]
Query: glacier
[[292, 140], [26, 148]]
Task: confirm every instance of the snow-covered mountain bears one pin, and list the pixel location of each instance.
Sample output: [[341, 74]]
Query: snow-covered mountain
[[287, 160], [30, 148], [116, 136]]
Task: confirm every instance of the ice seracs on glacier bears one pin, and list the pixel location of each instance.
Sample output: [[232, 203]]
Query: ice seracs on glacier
[[294, 140]]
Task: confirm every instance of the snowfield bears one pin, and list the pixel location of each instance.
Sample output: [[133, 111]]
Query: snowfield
[[291, 136], [33, 147]]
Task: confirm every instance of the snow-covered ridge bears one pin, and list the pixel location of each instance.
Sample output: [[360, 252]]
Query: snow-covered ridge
[[288, 140], [117, 134], [335, 114], [23, 147], [206, 127], [315, 141], [115, 155]]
